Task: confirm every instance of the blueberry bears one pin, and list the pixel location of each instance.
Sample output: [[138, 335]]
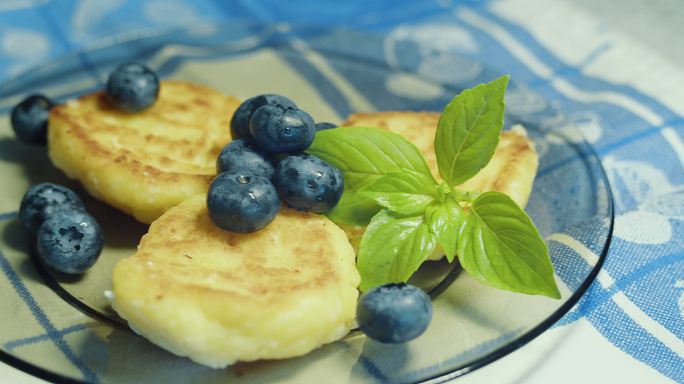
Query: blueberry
[[43, 200], [239, 125], [132, 87], [241, 201], [30, 119], [308, 183], [70, 241], [243, 155], [282, 130], [394, 313], [324, 126]]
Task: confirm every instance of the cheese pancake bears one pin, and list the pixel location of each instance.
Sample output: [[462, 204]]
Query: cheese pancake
[[220, 297], [143, 163], [511, 170]]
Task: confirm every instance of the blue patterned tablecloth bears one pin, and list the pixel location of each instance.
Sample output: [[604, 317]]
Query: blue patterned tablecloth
[[616, 70]]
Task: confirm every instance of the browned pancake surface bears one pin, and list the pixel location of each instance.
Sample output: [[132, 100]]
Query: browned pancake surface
[[143, 163]]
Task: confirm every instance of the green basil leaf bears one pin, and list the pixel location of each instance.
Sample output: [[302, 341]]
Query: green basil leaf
[[363, 155], [445, 221], [406, 192], [468, 131], [354, 208], [392, 249], [500, 246]]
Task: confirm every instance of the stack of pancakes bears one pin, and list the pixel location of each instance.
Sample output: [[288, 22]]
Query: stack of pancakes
[[215, 296]]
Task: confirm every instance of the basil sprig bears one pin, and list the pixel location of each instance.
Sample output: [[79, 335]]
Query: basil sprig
[[364, 155], [389, 188]]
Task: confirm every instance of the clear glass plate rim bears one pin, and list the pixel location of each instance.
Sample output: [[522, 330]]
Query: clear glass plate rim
[[274, 29]]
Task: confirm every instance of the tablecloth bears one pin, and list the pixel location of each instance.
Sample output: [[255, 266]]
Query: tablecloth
[[615, 68]]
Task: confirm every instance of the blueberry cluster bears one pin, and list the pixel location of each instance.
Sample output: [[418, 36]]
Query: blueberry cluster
[[247, 193], [69, 240]]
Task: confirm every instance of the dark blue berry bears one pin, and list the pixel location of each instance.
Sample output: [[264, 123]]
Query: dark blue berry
[[239, 125], [43, 200], [324, 126], [308, 183], [241, 201], [282, 130], [70, 241], [132, 87], [243, 155], [30, 119], [394, 313]]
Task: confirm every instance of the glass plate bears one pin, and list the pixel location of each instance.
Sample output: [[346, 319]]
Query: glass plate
[[62, 329]]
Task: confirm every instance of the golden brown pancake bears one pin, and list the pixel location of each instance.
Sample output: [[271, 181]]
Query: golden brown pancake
[[143, 163], [219, 297]]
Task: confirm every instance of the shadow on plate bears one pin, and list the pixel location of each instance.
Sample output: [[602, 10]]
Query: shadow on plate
[[383, 356], [34, 160]]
